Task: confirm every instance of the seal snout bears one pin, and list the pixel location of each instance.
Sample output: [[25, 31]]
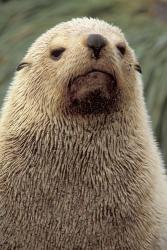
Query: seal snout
[[92, 92], [96, 43]]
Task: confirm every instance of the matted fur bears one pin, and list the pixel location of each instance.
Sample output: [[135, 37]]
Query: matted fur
[[76, 182]]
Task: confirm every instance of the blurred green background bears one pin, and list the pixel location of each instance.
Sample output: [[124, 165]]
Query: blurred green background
[[144, 23]]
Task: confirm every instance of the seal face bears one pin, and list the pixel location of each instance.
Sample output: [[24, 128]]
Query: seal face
[[87, 68], [92, 93]]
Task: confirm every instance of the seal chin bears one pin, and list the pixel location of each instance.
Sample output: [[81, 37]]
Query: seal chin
[[91, 93]]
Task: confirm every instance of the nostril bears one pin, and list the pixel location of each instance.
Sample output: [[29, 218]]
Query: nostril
[[96, 42]]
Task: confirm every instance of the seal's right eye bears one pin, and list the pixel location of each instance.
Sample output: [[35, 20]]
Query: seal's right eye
[[56, 53]]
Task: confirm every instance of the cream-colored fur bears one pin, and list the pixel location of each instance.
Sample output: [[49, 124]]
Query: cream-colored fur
[[79, 182]]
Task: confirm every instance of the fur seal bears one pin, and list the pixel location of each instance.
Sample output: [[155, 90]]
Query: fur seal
[[79, 167]]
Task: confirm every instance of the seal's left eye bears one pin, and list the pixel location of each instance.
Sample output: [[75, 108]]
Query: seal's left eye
[[56, 53], [121, 48]]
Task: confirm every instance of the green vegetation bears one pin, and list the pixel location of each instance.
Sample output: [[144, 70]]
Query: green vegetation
[[23, 21]]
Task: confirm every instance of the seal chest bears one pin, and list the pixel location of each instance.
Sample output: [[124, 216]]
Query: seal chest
[[79, 168]]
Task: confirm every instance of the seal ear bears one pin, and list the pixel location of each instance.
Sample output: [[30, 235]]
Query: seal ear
[[21, 66], [138, 68]]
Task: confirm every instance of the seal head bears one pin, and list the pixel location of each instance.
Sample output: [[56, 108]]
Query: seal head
[[80, 72]]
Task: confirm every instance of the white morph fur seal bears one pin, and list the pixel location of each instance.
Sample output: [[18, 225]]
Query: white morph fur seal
[[79, 167]]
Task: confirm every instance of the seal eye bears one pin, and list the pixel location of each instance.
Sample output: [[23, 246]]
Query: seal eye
[[121, 48], [56, 53]]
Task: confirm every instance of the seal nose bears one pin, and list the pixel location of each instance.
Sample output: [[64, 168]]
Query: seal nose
[[96, 42]]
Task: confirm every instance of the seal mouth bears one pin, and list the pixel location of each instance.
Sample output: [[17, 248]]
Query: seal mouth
[[91, 92], [112, 75]]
